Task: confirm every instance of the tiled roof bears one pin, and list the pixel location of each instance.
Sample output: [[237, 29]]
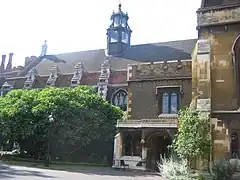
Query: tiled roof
[[40, 81], [217, 3], [118, 77], [17, 83], [64, 80], [90, 78], [93, 59], [9, 74]]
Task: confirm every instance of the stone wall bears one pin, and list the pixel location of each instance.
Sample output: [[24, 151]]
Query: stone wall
[[144, 80], [220, 139], [161, 70], [219, 16], [223, 79]]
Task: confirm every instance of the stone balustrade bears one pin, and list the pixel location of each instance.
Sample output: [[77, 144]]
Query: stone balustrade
[[166, 122]]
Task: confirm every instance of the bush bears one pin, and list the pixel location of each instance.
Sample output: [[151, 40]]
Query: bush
[[222, 170], [171, 169]]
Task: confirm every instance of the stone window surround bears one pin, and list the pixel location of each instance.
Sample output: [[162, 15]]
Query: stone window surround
[[160, 90], [117, 91]]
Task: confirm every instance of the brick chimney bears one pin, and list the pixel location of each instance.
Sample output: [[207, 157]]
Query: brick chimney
[[9, 65], [3, 63]]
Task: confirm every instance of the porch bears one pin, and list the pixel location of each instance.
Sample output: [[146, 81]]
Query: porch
[[140, 143]]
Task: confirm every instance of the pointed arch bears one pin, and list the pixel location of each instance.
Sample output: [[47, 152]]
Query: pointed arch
[[234, 144], [236, 65], [120, 98]]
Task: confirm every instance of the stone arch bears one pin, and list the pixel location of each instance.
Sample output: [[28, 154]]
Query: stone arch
[[123, 98], [236, 65], [157, 145]]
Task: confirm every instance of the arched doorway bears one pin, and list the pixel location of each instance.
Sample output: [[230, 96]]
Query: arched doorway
[[234, 145], [236, 62], [157, 145]]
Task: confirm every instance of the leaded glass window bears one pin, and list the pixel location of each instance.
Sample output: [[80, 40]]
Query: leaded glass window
[[120, 99], [165, 103], [169, 103], [173, 103]]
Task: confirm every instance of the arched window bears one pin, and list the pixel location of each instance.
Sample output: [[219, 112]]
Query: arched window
[[236, 62], [120, 99]]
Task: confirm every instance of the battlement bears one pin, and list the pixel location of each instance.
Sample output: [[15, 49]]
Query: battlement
[[219, 15], [160, 70]]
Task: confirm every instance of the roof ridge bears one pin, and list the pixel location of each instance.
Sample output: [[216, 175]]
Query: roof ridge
[[164, 42], [102, 49]]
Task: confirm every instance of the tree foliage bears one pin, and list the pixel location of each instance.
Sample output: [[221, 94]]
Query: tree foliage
[[81, 118], [193, 137]]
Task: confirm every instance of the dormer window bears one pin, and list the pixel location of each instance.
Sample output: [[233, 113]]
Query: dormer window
[[6, 88], [74, 82]]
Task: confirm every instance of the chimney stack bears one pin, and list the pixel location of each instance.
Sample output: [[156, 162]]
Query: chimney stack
[[3, 63], [9, 65]]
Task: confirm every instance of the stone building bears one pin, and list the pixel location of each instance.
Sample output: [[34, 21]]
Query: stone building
[[104, 69], [151, 82], [209, 80]]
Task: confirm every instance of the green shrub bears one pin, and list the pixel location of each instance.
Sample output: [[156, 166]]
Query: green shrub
[[171, 169], [222, 170]]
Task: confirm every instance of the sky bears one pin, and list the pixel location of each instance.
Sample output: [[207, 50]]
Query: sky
[[76, 25]]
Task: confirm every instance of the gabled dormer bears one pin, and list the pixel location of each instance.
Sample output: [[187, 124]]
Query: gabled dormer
[[54, 73], [30, 78], [6, 88], [118, 33], [104, 79], [77, 76]]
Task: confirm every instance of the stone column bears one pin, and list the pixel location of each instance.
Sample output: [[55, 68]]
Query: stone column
[[118, 144], [203, 83], [144, 149]]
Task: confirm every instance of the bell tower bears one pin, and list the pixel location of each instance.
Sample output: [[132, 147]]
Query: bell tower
[[216, 72], [118, 33], [219, 24]]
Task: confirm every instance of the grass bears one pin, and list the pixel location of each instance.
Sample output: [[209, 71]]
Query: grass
[[59, 166]]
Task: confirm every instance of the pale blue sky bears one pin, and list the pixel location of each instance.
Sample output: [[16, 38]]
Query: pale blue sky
[[75, 25]]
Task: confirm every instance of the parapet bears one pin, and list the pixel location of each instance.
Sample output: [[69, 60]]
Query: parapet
[[160, 70]]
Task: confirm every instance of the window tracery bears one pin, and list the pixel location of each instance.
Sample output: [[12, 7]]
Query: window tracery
[[120, 99]]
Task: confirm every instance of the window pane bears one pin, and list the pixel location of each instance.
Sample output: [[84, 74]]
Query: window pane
[[120, 99], [123, 22], [124, 37], [174, 103], [114, 36], [116, 21], [165, 103]]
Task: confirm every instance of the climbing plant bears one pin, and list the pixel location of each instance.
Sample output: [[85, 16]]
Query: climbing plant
[[193, 138]]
